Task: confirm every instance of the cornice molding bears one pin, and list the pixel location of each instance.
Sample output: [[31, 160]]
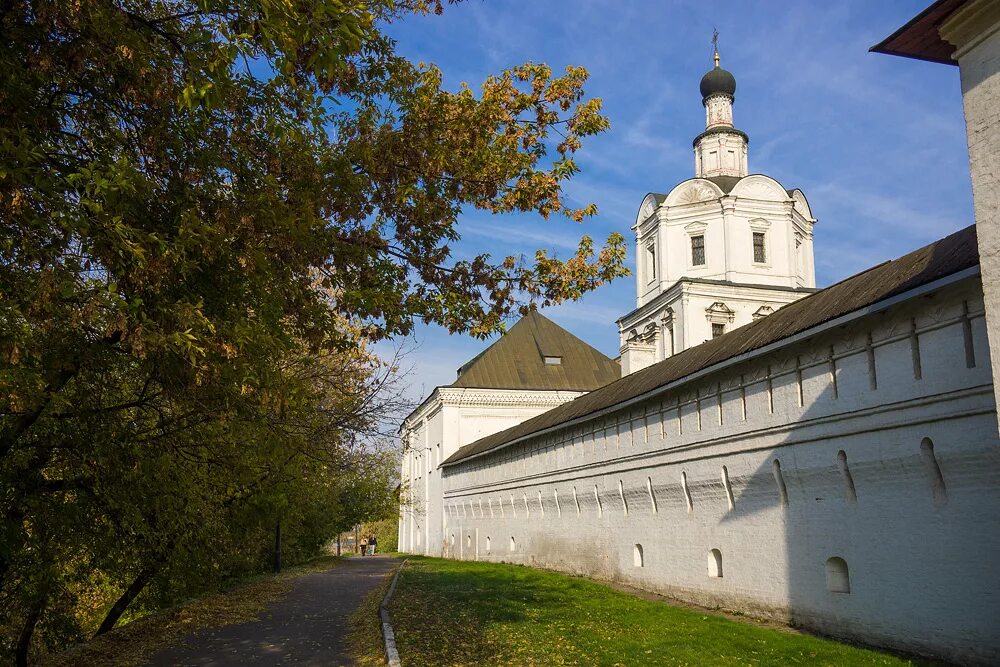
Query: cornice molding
[[465, 397]]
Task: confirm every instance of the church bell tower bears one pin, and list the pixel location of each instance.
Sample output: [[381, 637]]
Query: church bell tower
[[721, 150], [721, 249]]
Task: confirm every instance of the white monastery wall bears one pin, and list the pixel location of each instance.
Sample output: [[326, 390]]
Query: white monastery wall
[[874, 444], [975, 31], [450, 418]]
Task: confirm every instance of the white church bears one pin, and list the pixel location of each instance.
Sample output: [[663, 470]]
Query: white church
[[828, 458]]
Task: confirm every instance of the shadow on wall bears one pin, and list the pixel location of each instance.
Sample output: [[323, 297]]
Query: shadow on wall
[[887, 532]]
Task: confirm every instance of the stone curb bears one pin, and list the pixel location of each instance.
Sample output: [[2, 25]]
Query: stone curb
[[388, 636]]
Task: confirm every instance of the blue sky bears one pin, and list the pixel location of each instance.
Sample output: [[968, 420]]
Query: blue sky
[[877, 143]]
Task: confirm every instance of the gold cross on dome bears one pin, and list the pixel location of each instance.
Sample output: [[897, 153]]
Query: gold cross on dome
[[715, 45]]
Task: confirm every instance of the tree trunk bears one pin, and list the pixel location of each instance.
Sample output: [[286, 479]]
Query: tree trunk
[[277, 548], [24, 639], [338, 544], [130, 594]]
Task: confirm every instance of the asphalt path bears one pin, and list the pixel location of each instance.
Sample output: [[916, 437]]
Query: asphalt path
[[307, 627]]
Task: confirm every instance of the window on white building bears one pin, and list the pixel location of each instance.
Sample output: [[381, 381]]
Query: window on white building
[[650, 262], [718, 329], [759, 249], [698, 250]]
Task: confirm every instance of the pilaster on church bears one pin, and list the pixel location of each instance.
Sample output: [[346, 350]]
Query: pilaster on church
[[725, 241]]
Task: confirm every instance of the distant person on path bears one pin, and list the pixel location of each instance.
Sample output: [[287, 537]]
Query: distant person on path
[[372, 543], [364, 546]]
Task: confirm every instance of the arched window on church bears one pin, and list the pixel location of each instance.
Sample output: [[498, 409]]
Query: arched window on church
[[637, 556], [513, 544], [487, 544]]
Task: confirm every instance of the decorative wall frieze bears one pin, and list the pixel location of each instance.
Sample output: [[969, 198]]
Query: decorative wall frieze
[[462, 397]]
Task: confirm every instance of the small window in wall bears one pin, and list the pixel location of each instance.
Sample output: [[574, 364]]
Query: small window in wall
[[553, 361], [759, 250], [468, 541], [650, 263], [698, 250], [453, 539], [838, 579], [715, 563], [487, 544], [513, 544], [637, 556], [718, 329]]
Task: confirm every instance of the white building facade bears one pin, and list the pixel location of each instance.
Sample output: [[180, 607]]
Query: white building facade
[[719, 250], [828, 458], [449, 418], [847, 481], [533, 368]]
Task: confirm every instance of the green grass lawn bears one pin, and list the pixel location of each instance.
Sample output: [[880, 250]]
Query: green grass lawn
[[448, 613]]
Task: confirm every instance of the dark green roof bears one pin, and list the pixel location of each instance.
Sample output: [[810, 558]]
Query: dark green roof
[[517, 360], [952, 254]]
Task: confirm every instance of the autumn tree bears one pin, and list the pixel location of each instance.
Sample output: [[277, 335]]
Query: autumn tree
[[206, 207]]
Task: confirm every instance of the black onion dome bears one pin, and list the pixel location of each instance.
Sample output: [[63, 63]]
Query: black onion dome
[[718, 81]]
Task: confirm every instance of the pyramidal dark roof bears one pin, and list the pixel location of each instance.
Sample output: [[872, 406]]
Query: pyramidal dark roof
[[517, 360], [945, 257]]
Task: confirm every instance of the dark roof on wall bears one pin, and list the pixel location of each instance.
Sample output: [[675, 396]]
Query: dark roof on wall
[[517, 360], [919, 38], [950, 255]]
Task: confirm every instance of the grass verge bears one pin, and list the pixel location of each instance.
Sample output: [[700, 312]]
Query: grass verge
[[136, 642], [452, 613]]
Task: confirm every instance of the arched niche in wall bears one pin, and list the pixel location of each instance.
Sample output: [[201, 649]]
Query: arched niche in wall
[[715, 564], [838, 577]]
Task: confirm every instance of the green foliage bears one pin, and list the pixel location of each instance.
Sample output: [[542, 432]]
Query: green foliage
[[209, 210], [512, 615], [386, 532]]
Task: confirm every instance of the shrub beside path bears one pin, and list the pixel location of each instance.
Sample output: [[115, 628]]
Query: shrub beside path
[[309, 626]]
